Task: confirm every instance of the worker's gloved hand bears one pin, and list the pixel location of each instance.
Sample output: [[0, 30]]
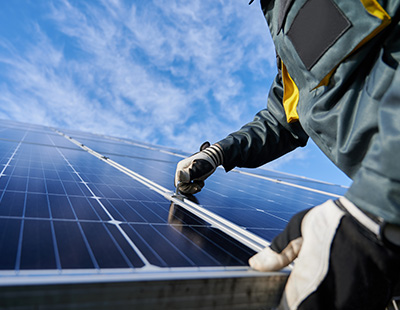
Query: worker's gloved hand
[[192, 171], [339, 259]]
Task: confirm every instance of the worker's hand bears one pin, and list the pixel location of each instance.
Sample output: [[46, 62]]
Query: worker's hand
[[192, 171], [339, 259]]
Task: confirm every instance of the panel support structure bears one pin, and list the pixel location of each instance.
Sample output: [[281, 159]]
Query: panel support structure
[[262, 292]]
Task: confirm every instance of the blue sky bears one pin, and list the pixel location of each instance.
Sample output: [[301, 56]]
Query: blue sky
[[173, 73]]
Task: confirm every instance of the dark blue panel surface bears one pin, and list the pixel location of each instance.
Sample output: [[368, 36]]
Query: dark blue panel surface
[[84, 208], [37, 206], [9, 241], [17, 183], [36, 185], [62, 208], [37, 246], [12, 204], [104, 247], [72, 246], [128, 252]]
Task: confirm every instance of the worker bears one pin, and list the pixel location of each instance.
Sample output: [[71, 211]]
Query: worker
[[338, 83]]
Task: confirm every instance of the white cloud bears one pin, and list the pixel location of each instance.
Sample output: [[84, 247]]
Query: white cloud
[[174, 74]]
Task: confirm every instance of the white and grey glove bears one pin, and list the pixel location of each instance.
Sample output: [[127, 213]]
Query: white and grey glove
[[192, 171], [340, 259]]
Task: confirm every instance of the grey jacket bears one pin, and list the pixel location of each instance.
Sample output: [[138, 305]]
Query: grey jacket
[[338, 83]]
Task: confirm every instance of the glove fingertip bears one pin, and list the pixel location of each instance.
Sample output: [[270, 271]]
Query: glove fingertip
[[191, 188], [266, 260]]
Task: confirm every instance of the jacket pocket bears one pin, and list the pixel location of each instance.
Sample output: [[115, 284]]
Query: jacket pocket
[[379, 79]]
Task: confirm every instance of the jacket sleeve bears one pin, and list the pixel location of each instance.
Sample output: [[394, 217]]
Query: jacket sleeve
[[266, 138]]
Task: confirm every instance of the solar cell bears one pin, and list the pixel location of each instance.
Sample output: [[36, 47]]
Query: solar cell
[[9, 232]]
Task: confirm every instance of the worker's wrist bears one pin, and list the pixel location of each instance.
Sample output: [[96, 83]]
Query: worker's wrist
[[215, 153]]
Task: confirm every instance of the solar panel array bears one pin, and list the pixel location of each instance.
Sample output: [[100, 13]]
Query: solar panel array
[[77, 206], [261, 201], [85, 208]]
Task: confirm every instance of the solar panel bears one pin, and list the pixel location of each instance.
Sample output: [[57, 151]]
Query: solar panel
[[81, 211], [58, 203], [263, 207]]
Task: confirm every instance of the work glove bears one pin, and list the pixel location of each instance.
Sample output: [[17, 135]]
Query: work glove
[[192, 171], [340, 259]]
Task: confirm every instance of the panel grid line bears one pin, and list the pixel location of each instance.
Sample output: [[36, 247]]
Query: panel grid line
[[245, 237], [112, 221], [17, 262], [128, 262], [10, 159], [88, 247], [19, 251]]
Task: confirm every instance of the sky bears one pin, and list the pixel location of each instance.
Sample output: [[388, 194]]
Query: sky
[[173, 73]]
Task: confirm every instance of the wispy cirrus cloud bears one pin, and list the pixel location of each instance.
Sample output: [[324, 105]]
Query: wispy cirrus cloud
[[173, 74]]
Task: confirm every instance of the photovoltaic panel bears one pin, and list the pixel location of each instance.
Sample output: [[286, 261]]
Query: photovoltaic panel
[[260, 205], [84, 207], [64, 209]]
